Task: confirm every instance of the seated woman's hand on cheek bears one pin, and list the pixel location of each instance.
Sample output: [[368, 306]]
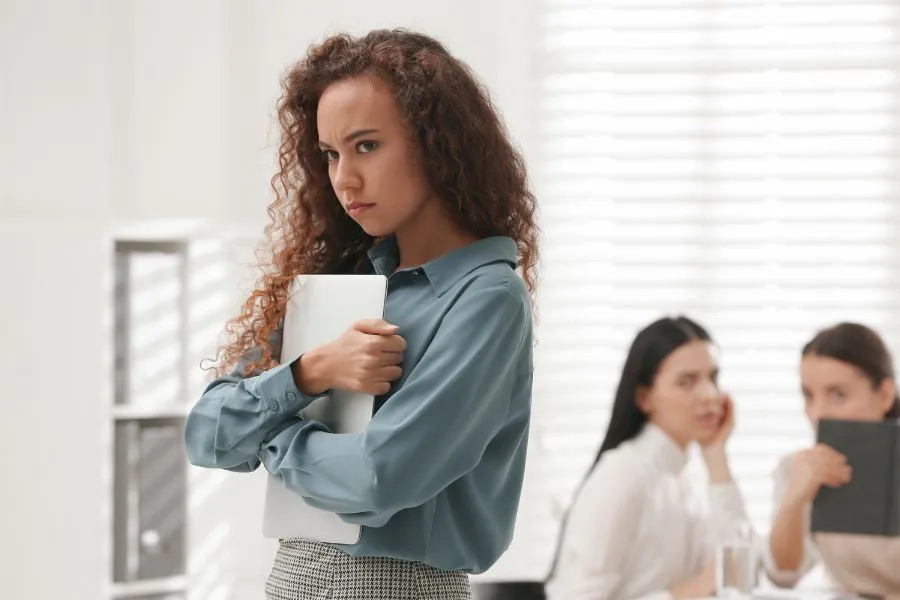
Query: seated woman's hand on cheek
[[713, 444], [636, 528], [686, 402]]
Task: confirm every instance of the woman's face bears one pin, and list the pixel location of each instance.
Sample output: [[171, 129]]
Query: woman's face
[[833, 389], [684, 400], [373, 163]]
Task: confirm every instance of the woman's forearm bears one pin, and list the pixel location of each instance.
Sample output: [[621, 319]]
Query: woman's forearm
[[786, 541], [717, 464]]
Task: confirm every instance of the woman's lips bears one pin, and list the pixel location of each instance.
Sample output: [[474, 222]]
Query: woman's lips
[[355, 209]]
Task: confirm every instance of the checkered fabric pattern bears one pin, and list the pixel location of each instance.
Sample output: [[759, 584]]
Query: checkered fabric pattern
[[307, 570]]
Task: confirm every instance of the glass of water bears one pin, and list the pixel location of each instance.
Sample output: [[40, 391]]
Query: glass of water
[[736, 573]]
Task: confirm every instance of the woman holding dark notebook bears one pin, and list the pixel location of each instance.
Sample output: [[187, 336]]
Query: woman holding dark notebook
[[847, 374], [392, 161]]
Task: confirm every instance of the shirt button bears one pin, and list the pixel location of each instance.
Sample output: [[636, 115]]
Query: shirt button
[[273, 406], [291, 396]]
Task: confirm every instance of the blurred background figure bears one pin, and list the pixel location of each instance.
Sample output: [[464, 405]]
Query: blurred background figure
[[847, 373], [636, 528]]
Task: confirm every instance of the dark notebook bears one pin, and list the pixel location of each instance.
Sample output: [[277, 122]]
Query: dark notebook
[[870, 503]]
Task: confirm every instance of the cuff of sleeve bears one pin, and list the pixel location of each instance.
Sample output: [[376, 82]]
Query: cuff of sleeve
[[725, 492], [274, 449], [726, 500], [277, 388], [780, 578]]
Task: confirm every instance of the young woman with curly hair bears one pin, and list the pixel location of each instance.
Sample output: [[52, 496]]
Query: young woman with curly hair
[[392, 161]]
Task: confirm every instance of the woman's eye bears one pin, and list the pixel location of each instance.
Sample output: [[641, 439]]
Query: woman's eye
[[330, 155], [366, 147]]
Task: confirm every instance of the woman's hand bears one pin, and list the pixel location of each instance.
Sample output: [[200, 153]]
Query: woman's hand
[[813, 468], [713, 449], [726, 425], [366, 358]]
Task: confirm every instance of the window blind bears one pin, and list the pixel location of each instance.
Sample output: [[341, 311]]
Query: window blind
[[735, 161]]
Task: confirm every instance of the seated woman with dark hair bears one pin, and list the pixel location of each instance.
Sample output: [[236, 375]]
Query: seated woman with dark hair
[[636, 528]]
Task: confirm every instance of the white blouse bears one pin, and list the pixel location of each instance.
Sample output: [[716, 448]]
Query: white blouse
[[637, 527], [857, 564]]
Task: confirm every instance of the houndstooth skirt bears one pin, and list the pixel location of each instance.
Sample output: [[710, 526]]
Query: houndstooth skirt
[[307, 570]]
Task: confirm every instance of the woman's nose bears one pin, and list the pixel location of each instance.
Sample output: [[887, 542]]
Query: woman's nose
[[814, 412], [709, 391], [345, 177]]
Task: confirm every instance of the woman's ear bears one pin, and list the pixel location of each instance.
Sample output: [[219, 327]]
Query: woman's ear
[[642, 399], [887, 394]]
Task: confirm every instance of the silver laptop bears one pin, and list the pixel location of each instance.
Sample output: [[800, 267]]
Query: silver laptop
[[321, 308]]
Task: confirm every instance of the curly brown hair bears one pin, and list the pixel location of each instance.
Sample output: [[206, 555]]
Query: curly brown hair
[[468, 159]]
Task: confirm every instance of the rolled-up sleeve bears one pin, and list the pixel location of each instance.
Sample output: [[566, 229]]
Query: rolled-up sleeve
[[434, 429]]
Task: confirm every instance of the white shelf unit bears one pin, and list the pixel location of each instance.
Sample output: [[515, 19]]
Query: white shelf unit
[[176, 532]]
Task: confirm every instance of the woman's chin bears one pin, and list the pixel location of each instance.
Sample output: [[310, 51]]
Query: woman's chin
[[705, 435], [376, 230]]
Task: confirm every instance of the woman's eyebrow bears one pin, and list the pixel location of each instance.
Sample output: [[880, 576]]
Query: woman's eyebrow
[[350, 136]]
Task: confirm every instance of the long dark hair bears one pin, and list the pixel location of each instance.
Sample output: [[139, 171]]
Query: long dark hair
[[861, 347], [652, 345], [649, 349]]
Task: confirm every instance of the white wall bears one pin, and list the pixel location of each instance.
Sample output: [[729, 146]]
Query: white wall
[[54, 438], [116, 111], [55, 136]]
